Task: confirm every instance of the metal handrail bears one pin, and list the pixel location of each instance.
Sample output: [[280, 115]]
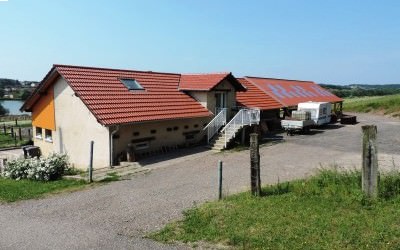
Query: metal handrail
[[215, 124], [242, 118]]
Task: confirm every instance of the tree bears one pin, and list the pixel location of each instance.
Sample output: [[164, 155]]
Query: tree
[[1, 93], [3, 111], [25, 94]]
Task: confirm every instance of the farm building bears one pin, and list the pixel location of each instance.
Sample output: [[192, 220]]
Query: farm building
[[149, 111], [282, 93]]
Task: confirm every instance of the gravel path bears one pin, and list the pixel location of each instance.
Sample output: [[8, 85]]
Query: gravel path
[[117, 215]]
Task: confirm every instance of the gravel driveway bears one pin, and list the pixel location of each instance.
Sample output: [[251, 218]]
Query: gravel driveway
[[117, 215]]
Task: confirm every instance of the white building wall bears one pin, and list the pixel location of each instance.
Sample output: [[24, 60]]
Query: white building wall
[[208, 99], [77, 126], [200, 97], [159, 135]]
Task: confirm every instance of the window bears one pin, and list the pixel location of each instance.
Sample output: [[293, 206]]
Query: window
[[142, 145], [196, 125], [48, 135], [186, 127], [189, 137], [153, 131], [38, 133], [176, 128], [132, 84], [169, 129], [136, 133]]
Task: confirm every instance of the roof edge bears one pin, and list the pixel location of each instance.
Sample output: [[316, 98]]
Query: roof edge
[[114, 69], [282, 79], [33, 98]]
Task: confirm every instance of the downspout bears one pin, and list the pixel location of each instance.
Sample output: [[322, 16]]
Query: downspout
[[112, 145]]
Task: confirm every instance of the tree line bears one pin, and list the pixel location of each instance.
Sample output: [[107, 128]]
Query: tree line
[[362, 90]]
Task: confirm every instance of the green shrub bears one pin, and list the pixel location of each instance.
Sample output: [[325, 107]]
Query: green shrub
[[37, 168]]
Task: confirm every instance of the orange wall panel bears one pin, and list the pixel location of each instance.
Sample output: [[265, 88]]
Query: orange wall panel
[[43, 112]]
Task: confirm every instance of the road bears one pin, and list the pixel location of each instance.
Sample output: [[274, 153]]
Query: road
[[118, 215]]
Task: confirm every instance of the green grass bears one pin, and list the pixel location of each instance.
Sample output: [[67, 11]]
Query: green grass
[[327, 211], [11, 190], [7, 141], [21, 123], [113, 176], [377, 104]]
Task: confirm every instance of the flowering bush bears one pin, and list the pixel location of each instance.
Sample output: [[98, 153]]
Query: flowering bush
[[37, 168]]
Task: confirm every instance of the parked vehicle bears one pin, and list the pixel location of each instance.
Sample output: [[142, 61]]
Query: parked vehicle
[[292, 126], [320, 111], [308, 114]]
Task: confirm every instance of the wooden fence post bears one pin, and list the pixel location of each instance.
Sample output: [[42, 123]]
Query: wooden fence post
[[369, 161], [20, 133], [219, 180], [255, 165]]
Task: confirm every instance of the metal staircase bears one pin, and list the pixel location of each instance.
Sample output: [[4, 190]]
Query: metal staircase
[[245, 117]]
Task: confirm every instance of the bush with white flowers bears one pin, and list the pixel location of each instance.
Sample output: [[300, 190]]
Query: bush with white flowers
[[37, 168]]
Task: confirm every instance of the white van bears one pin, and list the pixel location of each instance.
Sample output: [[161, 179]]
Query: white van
[[320, 111]]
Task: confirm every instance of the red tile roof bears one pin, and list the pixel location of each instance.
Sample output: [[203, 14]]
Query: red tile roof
[[292, 92], [206, 82], [254, 97], [112, 103]]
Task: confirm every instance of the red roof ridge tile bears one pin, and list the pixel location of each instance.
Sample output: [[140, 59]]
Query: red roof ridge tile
[[114, 69], [279, 79], [204, 74]]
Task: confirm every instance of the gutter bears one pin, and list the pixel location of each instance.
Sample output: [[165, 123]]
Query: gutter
[[112, 145]]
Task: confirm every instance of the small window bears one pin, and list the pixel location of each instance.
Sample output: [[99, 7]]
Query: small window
[[189, 137], [176, 128], [169, 129], [132, 84], [196, 125], [48, 135], [136, 133], [153, 131], [39, 133], [142, 145], [186, 127]]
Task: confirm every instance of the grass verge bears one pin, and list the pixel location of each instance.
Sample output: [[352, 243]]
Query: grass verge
[[327, 211], [7, 141], [21, 123], [11, 190], [376, 104]]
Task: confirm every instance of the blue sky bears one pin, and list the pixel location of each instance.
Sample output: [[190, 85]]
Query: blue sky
[[327, 41]]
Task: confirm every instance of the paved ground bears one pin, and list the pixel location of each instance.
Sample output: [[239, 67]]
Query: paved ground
[[117, 215]]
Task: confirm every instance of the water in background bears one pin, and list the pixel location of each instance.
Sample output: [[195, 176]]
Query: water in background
[[13, 106]]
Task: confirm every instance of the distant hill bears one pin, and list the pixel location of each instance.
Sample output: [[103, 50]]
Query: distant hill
[[5, 82], [354, 90]]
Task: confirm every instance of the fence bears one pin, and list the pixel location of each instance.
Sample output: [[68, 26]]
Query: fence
[[13, 136]]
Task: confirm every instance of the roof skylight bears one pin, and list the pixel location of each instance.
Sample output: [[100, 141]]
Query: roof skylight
[[132, 84]]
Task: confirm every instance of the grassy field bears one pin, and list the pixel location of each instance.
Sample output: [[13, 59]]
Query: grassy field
[[389, 105], [21, 123], [11, 190], [327, 211], [7, 141]]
